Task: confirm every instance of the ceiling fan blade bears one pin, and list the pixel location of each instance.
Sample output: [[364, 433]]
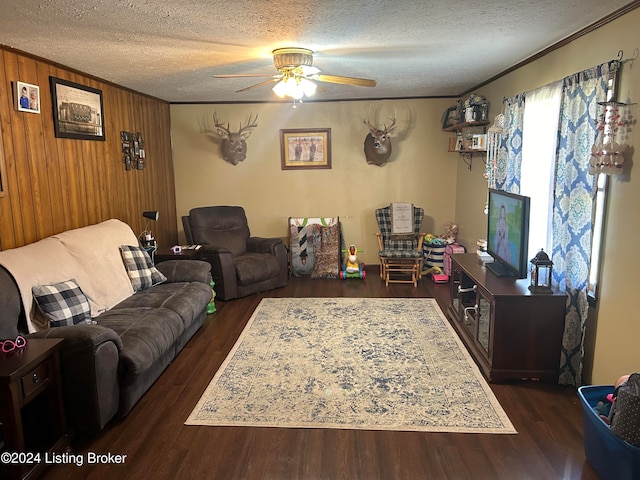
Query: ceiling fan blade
[[241, 75], [271, 80], [360, 82]]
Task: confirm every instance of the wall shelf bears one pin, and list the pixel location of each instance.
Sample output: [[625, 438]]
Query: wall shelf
[[467, 156], [469, 150], [460, 126]]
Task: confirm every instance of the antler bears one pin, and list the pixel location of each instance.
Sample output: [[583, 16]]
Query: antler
[[392, 127], [387, 130], [250, 124], [219, 125], [367, 122]]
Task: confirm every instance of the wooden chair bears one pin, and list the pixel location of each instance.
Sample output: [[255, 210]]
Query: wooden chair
[[400, 243]]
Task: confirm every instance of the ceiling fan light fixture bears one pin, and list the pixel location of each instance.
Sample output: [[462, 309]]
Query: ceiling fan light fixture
[[297, 76], [292, 57], [294, 87], [280, 89], [308, 87]]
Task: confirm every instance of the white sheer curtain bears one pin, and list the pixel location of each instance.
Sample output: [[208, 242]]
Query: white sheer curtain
[[539, 144]]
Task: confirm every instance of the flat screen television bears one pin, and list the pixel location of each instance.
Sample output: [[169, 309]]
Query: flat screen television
[[508, 233]]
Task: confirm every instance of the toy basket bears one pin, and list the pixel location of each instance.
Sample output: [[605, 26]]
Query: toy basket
[[433, 255], [611, 457]]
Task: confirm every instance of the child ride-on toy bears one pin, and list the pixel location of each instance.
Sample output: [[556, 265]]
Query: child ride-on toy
[[352, 268]]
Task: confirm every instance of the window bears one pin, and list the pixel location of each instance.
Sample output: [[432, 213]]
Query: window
[[599, 207], [539, 142]]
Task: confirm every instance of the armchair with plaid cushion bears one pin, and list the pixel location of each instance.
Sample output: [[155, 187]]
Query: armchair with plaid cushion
[[400, 243]]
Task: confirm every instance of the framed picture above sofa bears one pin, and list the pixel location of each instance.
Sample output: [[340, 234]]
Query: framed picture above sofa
[[78, 110]]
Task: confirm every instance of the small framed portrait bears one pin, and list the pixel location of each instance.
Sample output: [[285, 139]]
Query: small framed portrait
[[450, 117], [26, 97]]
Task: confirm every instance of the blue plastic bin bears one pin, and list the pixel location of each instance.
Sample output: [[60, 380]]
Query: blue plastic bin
[[611, 457]]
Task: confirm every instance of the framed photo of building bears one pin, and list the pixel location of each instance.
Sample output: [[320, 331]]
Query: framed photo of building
[[305, 148], [77, 110], [26, 97]]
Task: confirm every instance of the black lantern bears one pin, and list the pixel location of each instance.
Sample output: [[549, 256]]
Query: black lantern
[[541, 268]]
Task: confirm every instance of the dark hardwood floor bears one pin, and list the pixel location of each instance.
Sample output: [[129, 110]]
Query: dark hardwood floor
[[157, 444]]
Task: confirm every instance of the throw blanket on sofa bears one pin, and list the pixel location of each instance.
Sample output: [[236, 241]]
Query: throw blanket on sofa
[[90, 255]]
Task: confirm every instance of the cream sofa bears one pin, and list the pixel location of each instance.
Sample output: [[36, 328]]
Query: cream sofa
[[108, 364]]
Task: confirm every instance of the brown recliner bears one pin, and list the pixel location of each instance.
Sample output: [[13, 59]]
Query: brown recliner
[[241, 265]]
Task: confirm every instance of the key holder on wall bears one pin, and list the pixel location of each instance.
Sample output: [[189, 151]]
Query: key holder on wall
[[133, 154]]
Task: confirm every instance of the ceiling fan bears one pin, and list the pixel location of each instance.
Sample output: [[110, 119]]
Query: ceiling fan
[[297, 75]]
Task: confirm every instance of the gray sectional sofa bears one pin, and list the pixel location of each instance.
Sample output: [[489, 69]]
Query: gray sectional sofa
[[110, 359]]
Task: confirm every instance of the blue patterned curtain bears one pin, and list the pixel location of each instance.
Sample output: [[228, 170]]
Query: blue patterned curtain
[[572, 210], [507, 168]]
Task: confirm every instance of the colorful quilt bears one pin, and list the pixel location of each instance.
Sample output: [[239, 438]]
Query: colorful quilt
[[314, 246]]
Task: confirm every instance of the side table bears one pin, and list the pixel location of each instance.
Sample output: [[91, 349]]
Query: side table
[[31, 406], [165, 253]]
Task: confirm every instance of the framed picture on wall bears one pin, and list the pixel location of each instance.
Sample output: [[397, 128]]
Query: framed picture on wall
[[450, 117], [305, 148], [26, 97], [77, 110]]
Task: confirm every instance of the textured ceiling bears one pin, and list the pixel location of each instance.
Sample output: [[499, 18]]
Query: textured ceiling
[[413, 48]]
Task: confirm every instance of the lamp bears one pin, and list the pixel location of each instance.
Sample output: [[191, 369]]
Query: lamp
[[151, 215], [146, 237]]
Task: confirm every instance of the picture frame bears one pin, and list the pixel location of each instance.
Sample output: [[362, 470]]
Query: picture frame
[[26, 97], [479, 141], [305, 148], [78, 110], [450, 117]]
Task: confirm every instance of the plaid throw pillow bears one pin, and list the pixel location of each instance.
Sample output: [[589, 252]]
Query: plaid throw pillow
[[140, 268], [63, 303]]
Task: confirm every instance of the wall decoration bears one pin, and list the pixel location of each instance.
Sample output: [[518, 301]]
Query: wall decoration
[[450, 117], [77, 110], [233, 146], [26, 97], [133, 154], [377, 143], [305, 148]]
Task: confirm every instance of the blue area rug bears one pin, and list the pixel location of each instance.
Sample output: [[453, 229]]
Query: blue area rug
[[351, 363]]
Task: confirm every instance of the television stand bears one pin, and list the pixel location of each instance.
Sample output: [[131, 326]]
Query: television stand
[[499, 270], [511, 332]]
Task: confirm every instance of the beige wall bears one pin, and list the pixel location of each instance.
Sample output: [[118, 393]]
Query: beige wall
[[612, 343], [420, 170]]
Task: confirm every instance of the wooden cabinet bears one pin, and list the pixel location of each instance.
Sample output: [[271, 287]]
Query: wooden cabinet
[[509, 331], [31, 408]]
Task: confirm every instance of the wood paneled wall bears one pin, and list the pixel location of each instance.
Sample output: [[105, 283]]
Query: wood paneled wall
[[53, 184]]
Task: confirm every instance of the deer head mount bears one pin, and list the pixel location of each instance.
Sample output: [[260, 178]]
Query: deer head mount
[[234, 147], [377, 143]]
